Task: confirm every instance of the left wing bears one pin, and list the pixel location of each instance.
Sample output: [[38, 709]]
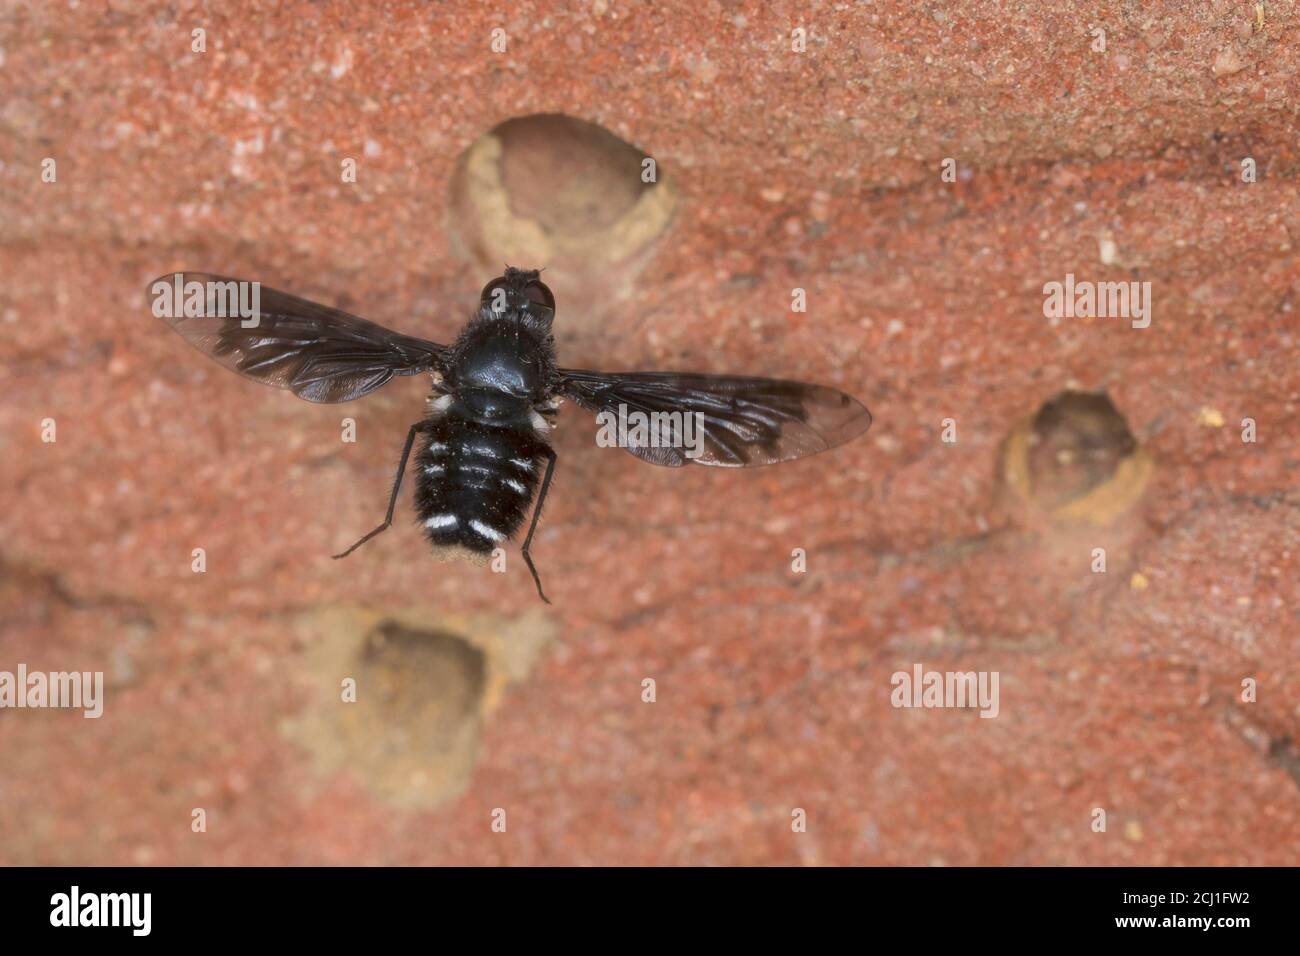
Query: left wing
[[744, 421]]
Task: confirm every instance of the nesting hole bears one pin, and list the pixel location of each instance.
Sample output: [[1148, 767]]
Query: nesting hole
[[424, 686], [411, 735], [431, 681], [550, 191], [1076, 443], [413, 732], [1076, 459]]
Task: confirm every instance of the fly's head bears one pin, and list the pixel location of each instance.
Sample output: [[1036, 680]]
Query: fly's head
[[520, 292]]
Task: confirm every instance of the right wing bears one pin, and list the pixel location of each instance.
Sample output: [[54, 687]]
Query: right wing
[[318, 353]]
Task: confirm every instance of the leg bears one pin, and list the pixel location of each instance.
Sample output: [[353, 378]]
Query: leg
[[397, 486], [537, 512]]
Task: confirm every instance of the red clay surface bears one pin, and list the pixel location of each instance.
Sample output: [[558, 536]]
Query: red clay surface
[[817, 170]]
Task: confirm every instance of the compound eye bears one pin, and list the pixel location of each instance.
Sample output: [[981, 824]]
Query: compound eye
[[538, 294], [495, 294]]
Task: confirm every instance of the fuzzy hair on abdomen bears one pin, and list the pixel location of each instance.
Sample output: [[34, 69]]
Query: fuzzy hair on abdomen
[[474, 481]]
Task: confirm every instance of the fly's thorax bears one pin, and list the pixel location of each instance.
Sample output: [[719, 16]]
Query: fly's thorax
[[502, 355], [500, 370], [513, 349]]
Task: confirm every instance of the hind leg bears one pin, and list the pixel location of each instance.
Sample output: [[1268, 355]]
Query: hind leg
[[537, 512]]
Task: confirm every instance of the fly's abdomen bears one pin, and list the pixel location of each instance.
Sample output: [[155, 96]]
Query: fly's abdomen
[[474, 482]]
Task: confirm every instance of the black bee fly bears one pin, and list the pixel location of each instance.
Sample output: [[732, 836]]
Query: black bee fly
[[496, 391]]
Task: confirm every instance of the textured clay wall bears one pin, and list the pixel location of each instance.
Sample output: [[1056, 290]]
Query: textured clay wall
[[921, 171]]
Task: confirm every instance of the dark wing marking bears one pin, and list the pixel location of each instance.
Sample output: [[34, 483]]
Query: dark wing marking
[[318, 353], [746, 421]]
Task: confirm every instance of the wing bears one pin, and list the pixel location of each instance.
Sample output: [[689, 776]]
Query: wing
[[318, 353], [734, 421]]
